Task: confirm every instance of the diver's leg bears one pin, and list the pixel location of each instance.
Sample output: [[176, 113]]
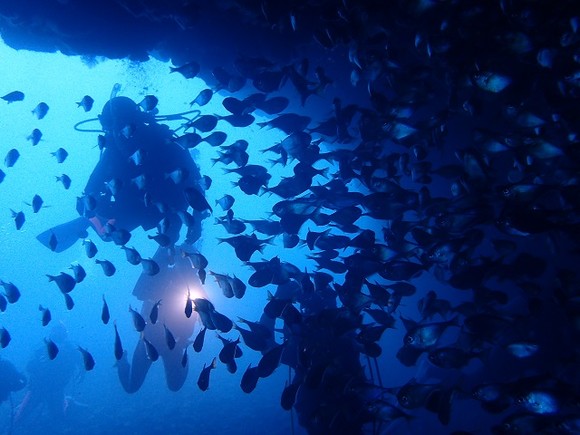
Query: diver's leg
[[132, 376], [31, 402], [25, 406], [175, 373], [55, 404]]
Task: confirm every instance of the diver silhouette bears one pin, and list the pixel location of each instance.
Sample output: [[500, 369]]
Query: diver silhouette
[[140, 181], [10, 379], [48, 380]]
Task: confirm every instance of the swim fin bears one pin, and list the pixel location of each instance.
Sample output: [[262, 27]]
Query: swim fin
[[63, 236]]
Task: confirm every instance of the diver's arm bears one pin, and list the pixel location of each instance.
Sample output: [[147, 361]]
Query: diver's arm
[[102, 173]]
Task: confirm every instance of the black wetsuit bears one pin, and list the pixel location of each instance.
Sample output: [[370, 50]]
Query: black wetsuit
[[133, 206], [145, 202]]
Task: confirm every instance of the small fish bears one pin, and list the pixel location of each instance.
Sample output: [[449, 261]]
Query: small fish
[[150, 267], [203, 380], [154, 314], [90, 248], [138, 157], [178, 176], [4, 337], [540, 402], [88, 360], [197, 260], [221, 322], [188, 140], [118, 345], [65, 180], [86, 103], [491, 82], [225, 202], [149, 103], [196, 199], [2, 175], [138, 320], [19, 218], [60, 154], [108, 267], [202, 98], [270, 361], [69, 302], [52, 241], [3, 303], [188, 306], [51, 348], [35, 136], [79, 272], [86, 203], [128, 131], [105, 315], [203, 123], [215, 139], [132, 255], [229, 352], [64, 281], [114, 185], [150, 350], [188, 70], [11, 157], [46, 317], [169, 338], [224, 283], [10, 291], [13, 96], [523, 349], [140, 181], [163, 240], [198, 342], [36, 204], [289, 396], [249, 379], [238, 286], [101, 142], [40, 110]]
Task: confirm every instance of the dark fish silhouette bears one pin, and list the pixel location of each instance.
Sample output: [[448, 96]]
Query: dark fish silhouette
[[51, 348], [46, 316], [13, 96], [5, 338], [203, 380], [86, 103], [249, 379], [105, 315], [199, 339], [188, 70], [88, 360], [64, 281], [118, 346]]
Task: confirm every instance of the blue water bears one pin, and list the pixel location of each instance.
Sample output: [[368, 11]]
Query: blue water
[[103, 407], [484, 132]]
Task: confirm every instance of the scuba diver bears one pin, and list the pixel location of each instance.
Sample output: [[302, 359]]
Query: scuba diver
[[140, 180], [48, 380], [10, 379]]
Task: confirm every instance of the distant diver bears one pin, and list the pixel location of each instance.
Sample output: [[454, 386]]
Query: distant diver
[[10, 379], [143, 178], [49, 377]]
